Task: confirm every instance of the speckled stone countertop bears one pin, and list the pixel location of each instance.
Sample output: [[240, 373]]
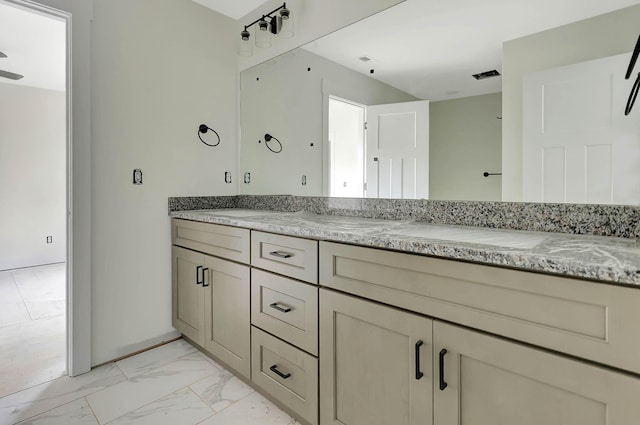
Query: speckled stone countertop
[[603, 259]]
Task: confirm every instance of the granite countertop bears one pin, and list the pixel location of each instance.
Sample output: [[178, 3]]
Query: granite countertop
[[604, 259]]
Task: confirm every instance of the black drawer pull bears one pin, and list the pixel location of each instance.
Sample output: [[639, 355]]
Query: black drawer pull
[[443, 384], [198, 274], [275, 370], [204, 284], [419, 374], [284, 308], [281, 254]]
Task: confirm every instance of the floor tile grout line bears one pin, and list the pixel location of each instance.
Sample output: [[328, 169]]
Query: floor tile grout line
[[24, 302], [86, 400], [47, 411]]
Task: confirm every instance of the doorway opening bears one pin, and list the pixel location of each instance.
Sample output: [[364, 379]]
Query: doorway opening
[[346, 148], [34, 186]]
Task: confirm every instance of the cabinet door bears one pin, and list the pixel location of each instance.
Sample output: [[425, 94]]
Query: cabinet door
[[490, 381], [187, 300], [370, 374], [226, 313]]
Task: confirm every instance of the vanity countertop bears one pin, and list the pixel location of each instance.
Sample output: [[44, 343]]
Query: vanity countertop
[[604, 259]]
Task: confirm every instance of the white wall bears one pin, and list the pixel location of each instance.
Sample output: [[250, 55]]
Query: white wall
[[312, 19], [32, 176], [285, 100], [605, 35], [160, 68], [465, 140]]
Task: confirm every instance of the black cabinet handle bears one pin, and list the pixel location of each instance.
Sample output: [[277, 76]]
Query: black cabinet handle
[[198, 281], [284, 309], [281, 254], [443, 384], [419, 374], [275, 370], [204, 284]]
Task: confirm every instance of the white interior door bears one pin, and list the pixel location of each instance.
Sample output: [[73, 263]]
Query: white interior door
[[397, 164], [578, 146]]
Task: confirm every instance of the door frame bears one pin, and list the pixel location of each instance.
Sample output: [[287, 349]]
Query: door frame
[[329, 173], [78, 283]]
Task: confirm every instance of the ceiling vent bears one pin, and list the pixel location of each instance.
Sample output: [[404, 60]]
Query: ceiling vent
[[486, 74]]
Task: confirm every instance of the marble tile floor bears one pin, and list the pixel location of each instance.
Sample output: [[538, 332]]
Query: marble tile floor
[[32, 326], [174, 384]]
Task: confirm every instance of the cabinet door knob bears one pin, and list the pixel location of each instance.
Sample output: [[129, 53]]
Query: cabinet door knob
[[198, 274], [275, 370], [205, 270], [281, 254], [285, 308], [419, 374], [443, 384]]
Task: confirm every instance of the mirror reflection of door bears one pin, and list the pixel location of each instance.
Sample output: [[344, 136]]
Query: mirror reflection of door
[[577, 144], [397, 147], [346, 148]]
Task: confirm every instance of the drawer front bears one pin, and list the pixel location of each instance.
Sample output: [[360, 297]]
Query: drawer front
[[586, 319], [286, 308], [286, 373], [227, 242], [286, 255]]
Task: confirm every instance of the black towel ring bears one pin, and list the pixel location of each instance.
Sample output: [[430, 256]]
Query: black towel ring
[[634, 58], [203, 128]]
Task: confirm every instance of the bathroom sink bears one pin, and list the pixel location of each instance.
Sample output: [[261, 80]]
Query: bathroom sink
[[502, 238]]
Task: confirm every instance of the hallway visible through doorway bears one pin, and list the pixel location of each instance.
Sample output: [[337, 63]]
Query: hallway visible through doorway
[[32, 326]]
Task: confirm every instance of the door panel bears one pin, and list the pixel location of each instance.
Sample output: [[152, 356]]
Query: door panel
[[369, 364], [187, 300], [575, 130], [491, 381], [398, 150], [226, 312]]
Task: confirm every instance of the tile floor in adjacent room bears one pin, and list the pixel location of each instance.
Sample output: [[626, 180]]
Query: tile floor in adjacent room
[[174, 384], [32, 326]]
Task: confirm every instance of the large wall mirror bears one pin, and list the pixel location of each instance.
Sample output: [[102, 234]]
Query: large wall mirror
[[389, 107]]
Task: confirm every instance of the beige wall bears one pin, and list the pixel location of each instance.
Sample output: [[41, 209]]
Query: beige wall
[[160, 68], [606, 35], [32, 176], [465, 141]]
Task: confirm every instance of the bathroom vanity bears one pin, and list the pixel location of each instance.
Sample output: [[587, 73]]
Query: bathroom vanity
[[345, 320]]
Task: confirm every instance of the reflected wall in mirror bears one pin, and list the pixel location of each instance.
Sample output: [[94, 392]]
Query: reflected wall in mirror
[[315, 106]]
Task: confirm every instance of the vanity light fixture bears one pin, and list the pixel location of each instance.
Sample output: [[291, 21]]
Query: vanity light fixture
[[280, 24]]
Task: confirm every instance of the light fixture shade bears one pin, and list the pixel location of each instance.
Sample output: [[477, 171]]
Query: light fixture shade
[[263, 34], [246, 44], [286, 28]]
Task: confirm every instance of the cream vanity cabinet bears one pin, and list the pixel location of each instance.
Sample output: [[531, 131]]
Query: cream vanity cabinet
[[210, 293], [368, 350]]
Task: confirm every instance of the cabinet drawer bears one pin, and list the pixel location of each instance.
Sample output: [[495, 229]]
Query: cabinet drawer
[[586, 319], [286, 255], [286, 373], [285, 308], [227, 242]]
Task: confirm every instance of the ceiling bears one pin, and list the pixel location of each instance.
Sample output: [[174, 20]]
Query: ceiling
[[235, 9], [431, 48], [35, 45]]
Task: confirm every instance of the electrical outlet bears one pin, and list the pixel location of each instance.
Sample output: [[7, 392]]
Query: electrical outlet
[[137, 176], [49, 239], [227, 177]]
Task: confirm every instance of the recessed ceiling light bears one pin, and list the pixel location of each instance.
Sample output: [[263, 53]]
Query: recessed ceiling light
[[364, 58]]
